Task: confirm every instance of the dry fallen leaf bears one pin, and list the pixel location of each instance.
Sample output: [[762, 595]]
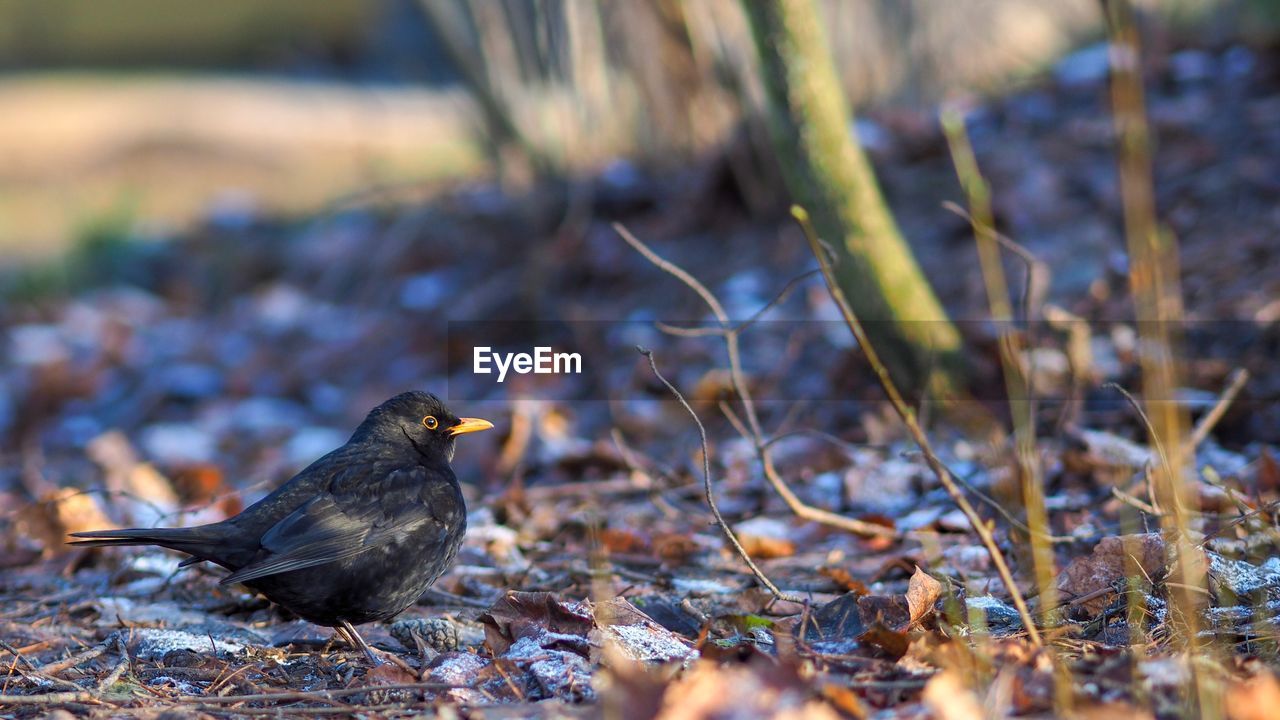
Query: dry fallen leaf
[[761, 547], [923, 592], [1113, 558], [844, 580], [621, 540], [674, 548], [389, 674], [60, 513]]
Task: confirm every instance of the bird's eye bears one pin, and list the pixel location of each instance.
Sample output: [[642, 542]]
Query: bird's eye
[[430, 422]]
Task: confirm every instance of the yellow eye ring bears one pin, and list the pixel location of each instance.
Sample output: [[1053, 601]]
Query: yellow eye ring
[[430, 422]]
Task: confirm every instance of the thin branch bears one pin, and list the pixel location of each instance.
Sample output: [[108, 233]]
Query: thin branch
[[313, 695], [755, 434], [706, 484], [674, 270], [56, 667], [777, 300], [1202, 429], [917, 434], [1036, 269], [57, 698]]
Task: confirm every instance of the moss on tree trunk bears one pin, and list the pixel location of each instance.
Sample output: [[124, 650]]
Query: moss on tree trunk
[[827, 173]]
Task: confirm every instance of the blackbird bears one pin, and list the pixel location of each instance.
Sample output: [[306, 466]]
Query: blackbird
[[357, 536]]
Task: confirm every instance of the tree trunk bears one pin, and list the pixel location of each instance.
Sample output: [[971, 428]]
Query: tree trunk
[[828, 175]]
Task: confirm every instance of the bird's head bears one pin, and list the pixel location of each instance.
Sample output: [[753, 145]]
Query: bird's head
[[420, 420]]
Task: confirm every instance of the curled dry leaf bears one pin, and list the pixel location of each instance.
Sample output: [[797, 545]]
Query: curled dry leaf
[[923, 592]]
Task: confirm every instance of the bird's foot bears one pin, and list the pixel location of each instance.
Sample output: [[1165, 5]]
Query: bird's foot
[[376, 657]]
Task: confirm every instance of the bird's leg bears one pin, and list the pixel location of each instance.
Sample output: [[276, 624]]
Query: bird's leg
[[349, 633], [339, 633]]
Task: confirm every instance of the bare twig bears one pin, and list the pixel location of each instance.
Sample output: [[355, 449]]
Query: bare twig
[[84, 656], [917, 433], [1135, 503], [1033, 290], [313, 695], [704, 332], [117, 671], [706, 484], [1157, 298], [1269, 507], [1235, 384], [1155, 438], [57, 698], [755, 434], [33, 671]]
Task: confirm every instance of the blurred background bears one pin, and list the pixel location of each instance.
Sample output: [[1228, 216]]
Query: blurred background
[[167, 112]]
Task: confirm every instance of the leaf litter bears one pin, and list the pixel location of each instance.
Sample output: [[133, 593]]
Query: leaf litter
[[593, 578]]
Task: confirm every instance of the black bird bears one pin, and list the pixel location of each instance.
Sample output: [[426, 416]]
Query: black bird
[[357, 536]]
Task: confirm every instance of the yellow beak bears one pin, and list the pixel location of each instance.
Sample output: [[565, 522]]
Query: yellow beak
[[469, 425]]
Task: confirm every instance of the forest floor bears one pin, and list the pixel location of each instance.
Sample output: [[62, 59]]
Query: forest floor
[[158, 384]]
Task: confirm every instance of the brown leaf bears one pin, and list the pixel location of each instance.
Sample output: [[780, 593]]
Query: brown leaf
[[1113, 558], [844, 580], [762, 547], [888, 610], [522, 614], [60, 513], [138, 487], [199, 483], [840, 619], [617, 540], [758, 689], [674, 548], [629, 689], [1268, 472], [895, 643], [923, 592], [389, 674]]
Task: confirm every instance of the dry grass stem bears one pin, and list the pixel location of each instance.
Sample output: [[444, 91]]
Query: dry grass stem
[[917, 434]]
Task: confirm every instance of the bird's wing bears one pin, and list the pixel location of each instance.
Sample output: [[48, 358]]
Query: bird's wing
[[334, 526]]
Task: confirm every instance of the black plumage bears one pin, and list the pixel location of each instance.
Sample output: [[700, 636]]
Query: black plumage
[[355, 537]]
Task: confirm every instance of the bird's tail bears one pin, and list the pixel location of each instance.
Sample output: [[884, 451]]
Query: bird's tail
[[195, 541]]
